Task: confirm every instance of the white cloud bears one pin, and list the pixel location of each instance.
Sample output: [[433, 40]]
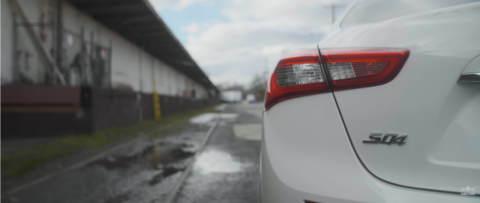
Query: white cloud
[[174, 4], [191, 28], [289, 13], [236, 51], [259, 33], [195, 28]]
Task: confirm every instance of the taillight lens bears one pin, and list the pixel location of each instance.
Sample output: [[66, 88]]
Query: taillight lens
[[356, 68], [300, 74]]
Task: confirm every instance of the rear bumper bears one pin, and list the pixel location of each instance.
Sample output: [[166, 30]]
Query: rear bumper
[[274, 190], [306, 155]]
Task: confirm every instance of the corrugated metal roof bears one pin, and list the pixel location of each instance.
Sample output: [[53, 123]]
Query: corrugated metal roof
[[137, 21]]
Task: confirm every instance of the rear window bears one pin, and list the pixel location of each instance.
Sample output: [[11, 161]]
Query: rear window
[[371, 11]]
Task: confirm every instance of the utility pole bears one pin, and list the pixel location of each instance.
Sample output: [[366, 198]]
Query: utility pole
[[333, 7]]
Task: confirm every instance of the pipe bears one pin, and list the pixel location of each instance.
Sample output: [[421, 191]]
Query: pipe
[[54, 22], [110, 64], [15, 51], [59, 34]]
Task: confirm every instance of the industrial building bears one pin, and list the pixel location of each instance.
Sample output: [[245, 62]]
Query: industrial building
[[75, 66]]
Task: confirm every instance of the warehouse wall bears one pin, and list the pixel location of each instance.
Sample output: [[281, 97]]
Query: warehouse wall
[[131, 68], [7, 45], [59, 110]]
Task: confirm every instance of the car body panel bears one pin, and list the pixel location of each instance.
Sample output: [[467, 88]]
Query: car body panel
[[440, 116], [300, 148], [313, 159]]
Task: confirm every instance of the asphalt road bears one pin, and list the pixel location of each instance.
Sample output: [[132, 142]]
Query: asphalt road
[[227, 169], [147, 170]]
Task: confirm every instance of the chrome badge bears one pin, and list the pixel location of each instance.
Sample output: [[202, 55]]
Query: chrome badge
[[387, 138]]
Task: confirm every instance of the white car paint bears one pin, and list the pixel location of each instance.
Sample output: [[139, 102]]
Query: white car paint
[[423, 101], [307, 153], [313, 159]]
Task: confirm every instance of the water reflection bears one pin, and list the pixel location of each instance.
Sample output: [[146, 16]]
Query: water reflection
[[215, 161], [209, 118]]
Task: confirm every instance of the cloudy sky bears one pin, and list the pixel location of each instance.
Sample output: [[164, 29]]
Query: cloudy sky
[[232, 40]]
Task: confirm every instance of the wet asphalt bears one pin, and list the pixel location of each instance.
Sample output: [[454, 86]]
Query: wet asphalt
[[227, 169], [148, 169]]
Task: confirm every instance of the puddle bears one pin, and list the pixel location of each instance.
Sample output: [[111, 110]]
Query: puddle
[[164, 160], [215, 161], [175, 154], [209, 118], [119, 198], [228, 116], [166, 172], [205, 118], [221, 107], [135, 172], [248, 131], [160, 157], [121, 161]]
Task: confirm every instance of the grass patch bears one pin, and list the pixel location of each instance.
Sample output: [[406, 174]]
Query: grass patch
[[21, 161]]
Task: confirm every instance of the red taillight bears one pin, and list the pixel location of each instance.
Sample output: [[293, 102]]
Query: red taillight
[[297, 75], [356, 68], [303, 73]]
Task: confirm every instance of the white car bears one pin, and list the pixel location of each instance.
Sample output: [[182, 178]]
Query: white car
[[384, 109]]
